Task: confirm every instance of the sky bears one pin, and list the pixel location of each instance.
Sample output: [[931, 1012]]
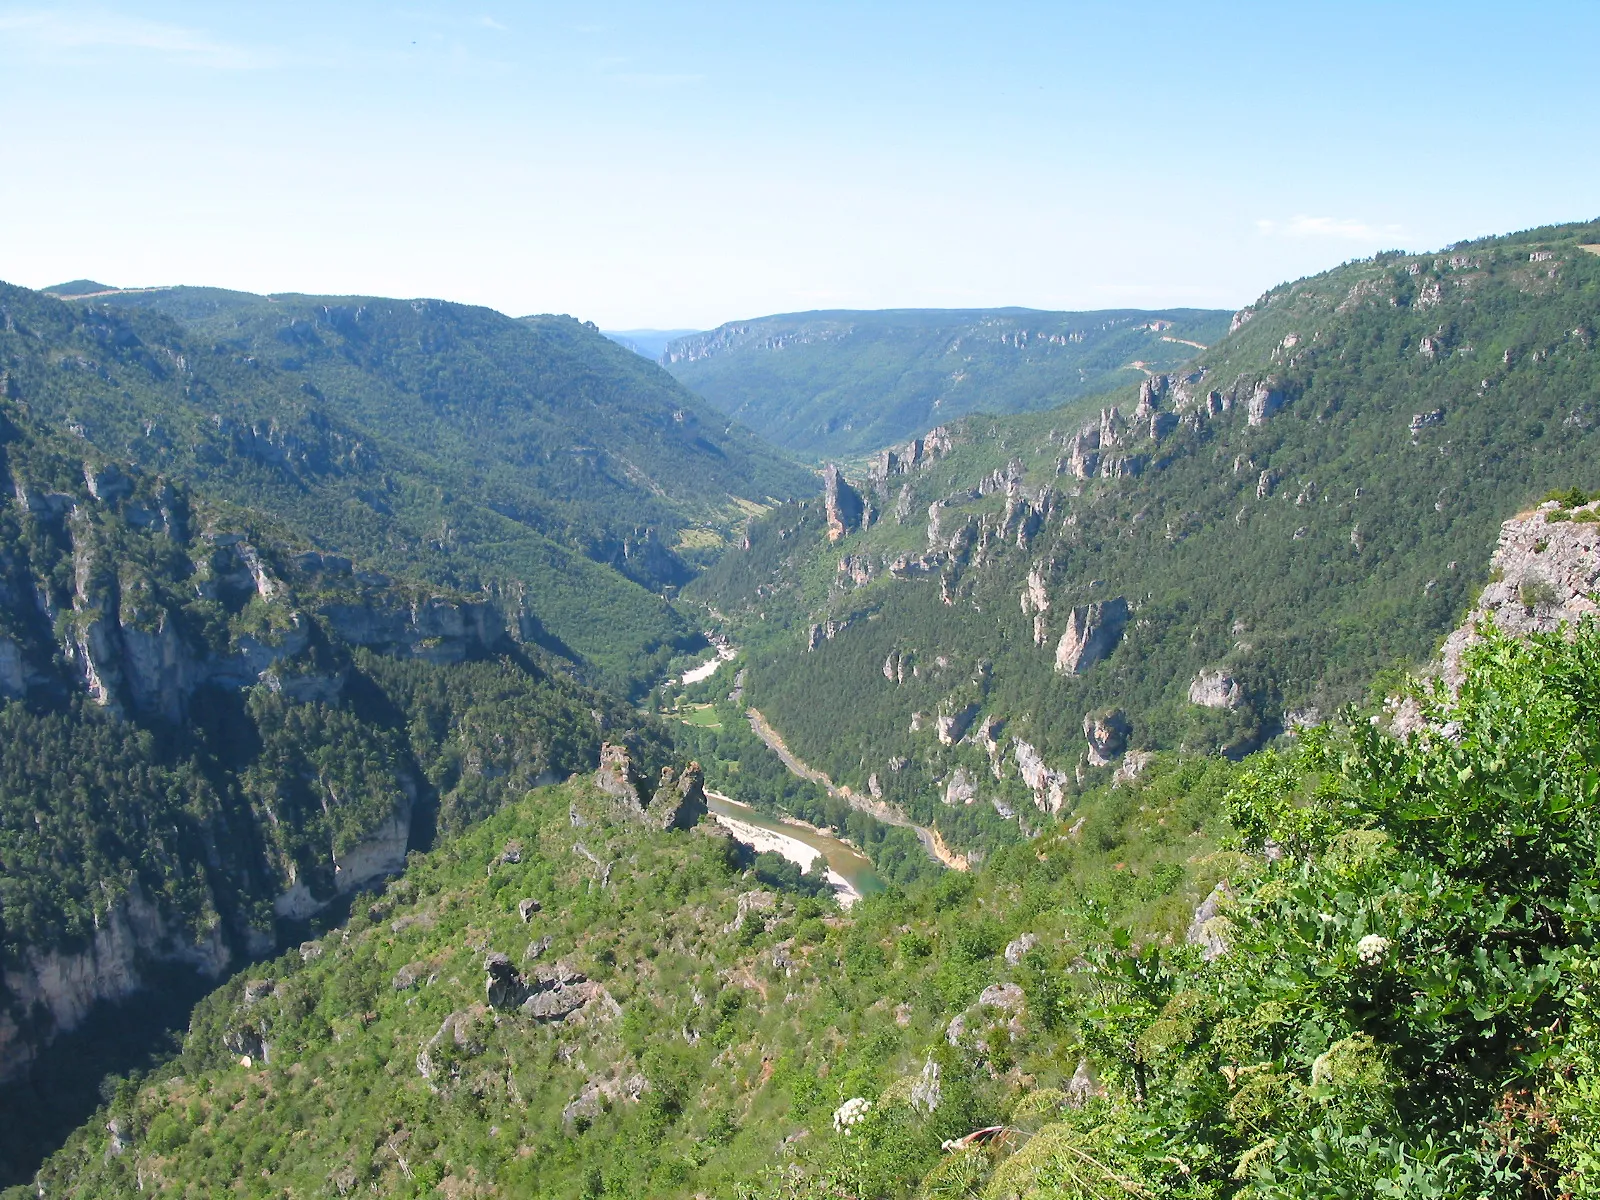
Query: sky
[[678, 165]]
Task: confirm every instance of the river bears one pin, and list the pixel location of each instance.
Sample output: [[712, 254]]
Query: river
[[849, 870]]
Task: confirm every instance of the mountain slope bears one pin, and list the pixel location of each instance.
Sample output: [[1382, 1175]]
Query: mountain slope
[[213, 734], [657, 1026], [435, 439], [1219, 553], [846, 383]]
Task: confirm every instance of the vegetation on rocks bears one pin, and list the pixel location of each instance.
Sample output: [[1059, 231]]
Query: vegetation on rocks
[[1309, 503]]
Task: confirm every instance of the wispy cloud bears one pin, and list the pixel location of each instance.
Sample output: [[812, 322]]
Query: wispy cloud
[[54, 31], [1345, 228]]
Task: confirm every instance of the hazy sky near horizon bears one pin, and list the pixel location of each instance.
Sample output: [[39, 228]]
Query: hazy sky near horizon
[[681, 164]]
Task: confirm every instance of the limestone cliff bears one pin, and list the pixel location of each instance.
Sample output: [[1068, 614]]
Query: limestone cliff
[[50, 992], [1545, 572]]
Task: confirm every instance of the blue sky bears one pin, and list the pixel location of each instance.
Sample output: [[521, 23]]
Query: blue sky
[[678, 164]]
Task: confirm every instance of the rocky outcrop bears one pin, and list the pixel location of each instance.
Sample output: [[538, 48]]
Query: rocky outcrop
[[952, 725], [1208, 929], [897, 665], [1266, 398], [617, 777], [748, 903], [1544, 573], [825, 631], [680, 801], [1216, 688], [1132, 766], [843, 505], [1017, 949], [960, 789], [904, 460], [1107, 735], [1048, 786], [1093, 631], [1036, 602]]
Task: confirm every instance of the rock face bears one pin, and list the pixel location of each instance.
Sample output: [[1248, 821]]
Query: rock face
[[961, 789], [680, 801], [1093, 631], [1048, 785], [616, 775], [1208, 929], [842, 503], [952, 726], [382, 852], [51, 992], [1543, 573], [1216, 688], [1107, 735]]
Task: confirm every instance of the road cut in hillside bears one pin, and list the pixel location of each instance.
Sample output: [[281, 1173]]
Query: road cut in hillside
[[880, 810]]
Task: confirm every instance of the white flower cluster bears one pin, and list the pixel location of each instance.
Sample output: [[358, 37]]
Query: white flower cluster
[[1371, 949], [849, 1113]]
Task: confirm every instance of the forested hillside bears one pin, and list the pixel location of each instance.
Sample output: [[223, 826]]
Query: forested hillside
[[222, 717], [537, 459], [989, 616], [839, 384]]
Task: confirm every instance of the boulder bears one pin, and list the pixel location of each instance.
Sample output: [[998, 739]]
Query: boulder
[[526, 909], [556, 992], [1083, 1086], [1017, 949], [1007, 997]]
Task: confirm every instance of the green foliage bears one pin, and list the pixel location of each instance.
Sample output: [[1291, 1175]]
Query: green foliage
[[1403, 1005], [1302, 554]]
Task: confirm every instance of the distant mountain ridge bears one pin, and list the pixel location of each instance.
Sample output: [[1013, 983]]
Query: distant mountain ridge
[[844, 383], [418, 436]]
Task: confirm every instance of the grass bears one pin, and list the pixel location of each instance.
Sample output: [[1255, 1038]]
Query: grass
[[703, 715]]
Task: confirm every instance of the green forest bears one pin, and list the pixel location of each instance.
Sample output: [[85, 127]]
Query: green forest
[[1306, 555]]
